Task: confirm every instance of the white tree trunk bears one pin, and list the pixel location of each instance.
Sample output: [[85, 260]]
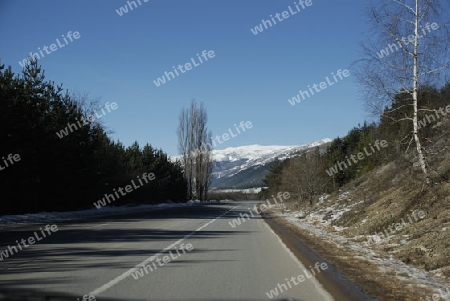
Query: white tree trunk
[[415, 54]]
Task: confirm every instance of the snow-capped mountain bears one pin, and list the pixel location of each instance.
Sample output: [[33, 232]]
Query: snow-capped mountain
[[233, 160], [246, 166]]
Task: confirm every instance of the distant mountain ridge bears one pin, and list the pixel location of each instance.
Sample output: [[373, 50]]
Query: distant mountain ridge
[[246, 166]]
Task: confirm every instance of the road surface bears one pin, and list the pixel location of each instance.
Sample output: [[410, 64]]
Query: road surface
[[190, 253]]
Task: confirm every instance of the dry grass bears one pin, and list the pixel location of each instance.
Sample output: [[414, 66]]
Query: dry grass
[[424, 243]]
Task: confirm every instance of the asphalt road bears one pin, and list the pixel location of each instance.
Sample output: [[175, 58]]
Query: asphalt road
[[101, 257]]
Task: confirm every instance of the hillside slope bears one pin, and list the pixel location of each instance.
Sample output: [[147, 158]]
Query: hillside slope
[[389, 219]]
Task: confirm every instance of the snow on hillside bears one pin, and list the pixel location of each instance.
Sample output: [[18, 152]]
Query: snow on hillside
[[232, 160]]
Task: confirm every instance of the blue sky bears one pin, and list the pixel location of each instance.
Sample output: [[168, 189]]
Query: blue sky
[[251, 77]]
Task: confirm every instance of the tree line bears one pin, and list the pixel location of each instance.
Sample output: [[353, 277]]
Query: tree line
[[74, 171], [305, 175]]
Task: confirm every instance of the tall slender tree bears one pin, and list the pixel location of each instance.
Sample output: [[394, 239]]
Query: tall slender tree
[[195, 147]]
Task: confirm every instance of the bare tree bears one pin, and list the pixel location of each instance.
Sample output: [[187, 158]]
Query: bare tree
[[305, 176], [184, 147], [202, 152], [407, 49], [194, 144]]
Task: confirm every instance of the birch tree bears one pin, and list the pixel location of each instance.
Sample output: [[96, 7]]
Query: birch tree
[[407, 49]]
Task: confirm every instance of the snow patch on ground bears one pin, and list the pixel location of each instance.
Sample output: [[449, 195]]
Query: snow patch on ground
[[247, 190], [46, 217]]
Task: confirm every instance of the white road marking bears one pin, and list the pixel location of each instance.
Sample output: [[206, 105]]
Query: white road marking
[[98, 226], [126, 274]]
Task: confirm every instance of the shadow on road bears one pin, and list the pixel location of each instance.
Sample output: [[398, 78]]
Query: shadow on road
[[76, 245]]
